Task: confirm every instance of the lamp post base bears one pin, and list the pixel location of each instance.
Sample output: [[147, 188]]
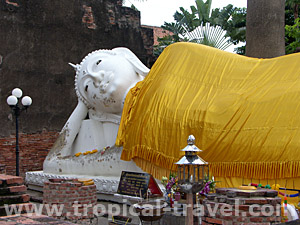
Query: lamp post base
[[189, 220]]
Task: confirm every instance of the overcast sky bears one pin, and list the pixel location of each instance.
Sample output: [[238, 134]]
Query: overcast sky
[[156, 12]]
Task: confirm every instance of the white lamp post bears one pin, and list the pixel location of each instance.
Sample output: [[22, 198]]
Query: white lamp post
[[13, 101]]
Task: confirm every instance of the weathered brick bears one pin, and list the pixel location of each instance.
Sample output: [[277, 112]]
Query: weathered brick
[[222, 191], [221, 198], [242, 219], [244, 207], [72, 195], [256, 219], [14, 199], [22, 208], [25, 197], [231, 194], [34, 147], [214, 221], [273, 219], [227, 218], [9, 180], [271, 193], [14, 189], [274, 201], [260, 201]]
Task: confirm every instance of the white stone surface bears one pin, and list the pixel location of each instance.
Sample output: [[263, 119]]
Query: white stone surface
[[94, 135], [106, 185], [106, 164], [102, 81]]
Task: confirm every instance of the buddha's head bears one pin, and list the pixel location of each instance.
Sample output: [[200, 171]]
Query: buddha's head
[[104, 77]]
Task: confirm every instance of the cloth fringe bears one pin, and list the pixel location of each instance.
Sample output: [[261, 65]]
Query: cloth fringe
[[159, 165]]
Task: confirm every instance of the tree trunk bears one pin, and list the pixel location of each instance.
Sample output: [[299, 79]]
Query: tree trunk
[[265, 28], [296, 8]]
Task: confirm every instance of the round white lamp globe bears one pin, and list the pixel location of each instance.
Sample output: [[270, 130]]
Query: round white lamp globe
[[12, 100], [17, 92], [26, 101]]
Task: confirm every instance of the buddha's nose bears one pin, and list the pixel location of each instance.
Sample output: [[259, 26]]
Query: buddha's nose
[[98, 78], [102, 79]]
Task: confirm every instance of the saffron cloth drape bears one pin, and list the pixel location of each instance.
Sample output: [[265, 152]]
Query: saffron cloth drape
[[244, 113]]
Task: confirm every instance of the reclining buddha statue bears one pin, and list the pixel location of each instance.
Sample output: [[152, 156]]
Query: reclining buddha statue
[[243, 112], [102, 81]]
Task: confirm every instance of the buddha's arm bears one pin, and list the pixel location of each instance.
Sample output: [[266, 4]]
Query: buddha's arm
[[63, 144]]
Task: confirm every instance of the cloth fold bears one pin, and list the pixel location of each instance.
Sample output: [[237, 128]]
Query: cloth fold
[[244, 113]]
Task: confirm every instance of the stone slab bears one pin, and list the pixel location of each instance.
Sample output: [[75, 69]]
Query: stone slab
[[7, 180], [12, 190], [31, 219], [14, 199]]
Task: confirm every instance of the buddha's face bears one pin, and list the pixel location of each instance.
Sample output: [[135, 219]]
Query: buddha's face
[[105, 81]]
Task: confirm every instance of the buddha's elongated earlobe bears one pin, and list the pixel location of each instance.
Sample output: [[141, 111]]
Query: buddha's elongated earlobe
[[139, 67]]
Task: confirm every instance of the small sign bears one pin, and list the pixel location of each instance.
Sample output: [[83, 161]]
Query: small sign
[[137, 184]]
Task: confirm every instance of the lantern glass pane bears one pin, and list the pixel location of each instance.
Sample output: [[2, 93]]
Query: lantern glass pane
[[179, 175]]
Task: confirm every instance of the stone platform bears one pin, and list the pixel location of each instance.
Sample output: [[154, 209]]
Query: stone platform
[[235, 206], [106, 186], [30, 219]]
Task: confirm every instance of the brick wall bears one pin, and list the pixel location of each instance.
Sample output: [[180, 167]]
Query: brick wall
[[158, 32], [234, 206], [33, 150], [38, 40], [77, 199], [35, 58]]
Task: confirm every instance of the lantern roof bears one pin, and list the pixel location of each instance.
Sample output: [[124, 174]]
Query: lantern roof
[[191, 160], [191, 147]]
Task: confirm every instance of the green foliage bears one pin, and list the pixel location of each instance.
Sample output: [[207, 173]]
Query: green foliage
[[240, 50], [293, 5], [176, 29], [192, 26], [233, 21], [291, 14], [292, 32], [202, 10]]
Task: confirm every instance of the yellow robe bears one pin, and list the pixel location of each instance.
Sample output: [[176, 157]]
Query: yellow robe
[[244, 113]]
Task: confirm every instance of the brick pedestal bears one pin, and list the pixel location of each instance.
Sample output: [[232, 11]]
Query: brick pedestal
[[76, 199], [13, 195], [234, 206]]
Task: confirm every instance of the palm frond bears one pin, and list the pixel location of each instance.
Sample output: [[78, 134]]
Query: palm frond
[[207, 34]]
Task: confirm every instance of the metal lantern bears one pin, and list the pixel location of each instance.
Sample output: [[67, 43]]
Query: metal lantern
[[192, 170]]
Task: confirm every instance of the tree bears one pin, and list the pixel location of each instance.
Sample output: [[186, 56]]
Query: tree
[[294, 5], [265, 28], [292, 26], [209, 35], [293, 32], [201, 26], [200, 14], [233, 21]]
